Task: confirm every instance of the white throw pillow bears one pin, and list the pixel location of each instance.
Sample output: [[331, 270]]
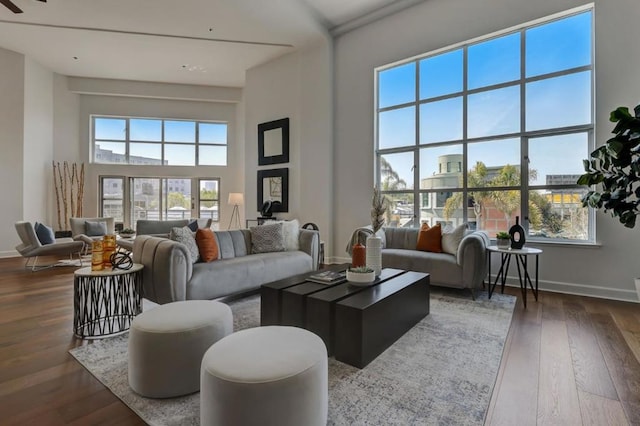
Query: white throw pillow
[[451, 238], [291, 234]]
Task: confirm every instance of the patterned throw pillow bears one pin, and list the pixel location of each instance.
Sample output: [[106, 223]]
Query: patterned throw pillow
[[185, 236], [267, 238], [451, 238], [207, 245], [430, 239]]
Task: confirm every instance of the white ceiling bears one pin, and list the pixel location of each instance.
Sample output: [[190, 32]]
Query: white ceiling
[[207, 42]]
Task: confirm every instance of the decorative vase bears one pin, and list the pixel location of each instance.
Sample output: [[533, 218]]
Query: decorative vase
[[96, 256], [374, 254], [517, 235], [358, 258], [108, 247]]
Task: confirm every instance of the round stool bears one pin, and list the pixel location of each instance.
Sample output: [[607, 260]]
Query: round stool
[[166, 345], [265, 376]]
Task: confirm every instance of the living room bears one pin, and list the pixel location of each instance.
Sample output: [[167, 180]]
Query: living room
[[326, 89]]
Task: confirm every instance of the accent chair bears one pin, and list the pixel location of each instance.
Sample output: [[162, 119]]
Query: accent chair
[[31, 248]]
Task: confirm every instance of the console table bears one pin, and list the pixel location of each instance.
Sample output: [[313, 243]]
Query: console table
[[521, 256], [105, 302], [259, 220]]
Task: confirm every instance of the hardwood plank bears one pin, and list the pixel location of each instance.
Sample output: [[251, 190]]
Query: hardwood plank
[[590, 370], [516, 396], [599, 411], [622, 364], [557, 396], [633, 340]]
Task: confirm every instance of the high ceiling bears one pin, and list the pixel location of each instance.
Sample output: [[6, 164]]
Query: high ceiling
[[207, 42]]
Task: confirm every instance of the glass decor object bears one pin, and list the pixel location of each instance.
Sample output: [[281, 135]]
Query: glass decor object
[[108, 248], [96, 256], [517, 235]]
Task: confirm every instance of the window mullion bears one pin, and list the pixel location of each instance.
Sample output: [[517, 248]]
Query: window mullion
[[524, 141], [465, 164], [416, 153]]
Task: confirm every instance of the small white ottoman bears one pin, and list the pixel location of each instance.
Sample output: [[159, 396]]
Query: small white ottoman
[[166, 345], [265, 376]]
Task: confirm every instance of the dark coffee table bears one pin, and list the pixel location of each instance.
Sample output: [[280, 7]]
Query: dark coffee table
[[356, 323]]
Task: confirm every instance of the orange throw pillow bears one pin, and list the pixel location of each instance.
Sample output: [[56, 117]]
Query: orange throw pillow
[[207, 244], [430, 239]]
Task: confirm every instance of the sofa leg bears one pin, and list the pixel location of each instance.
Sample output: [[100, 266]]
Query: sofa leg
[[473, 293]]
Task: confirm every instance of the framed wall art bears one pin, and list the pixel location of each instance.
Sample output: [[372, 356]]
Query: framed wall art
[[273, 142]]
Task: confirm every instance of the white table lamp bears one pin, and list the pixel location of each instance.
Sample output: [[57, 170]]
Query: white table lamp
[[237, 199]]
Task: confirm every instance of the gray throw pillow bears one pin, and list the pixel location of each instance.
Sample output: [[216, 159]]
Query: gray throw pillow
[[185, 236], [267, 238], [95, 229]]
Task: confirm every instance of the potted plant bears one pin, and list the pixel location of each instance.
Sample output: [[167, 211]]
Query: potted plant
[[127, 233], [616, 167], [503, 240], [361, 275]]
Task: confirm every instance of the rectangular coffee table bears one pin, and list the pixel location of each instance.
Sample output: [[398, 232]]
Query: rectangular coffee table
[[356, 323]]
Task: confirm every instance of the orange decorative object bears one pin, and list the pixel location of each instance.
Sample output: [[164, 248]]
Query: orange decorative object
[[359, 256], [108, 247], [96, 256]]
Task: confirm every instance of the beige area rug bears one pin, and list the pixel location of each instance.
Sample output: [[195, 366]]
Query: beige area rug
[[441, 372]]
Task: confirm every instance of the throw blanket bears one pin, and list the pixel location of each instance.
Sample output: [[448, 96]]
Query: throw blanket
[[360, 235]]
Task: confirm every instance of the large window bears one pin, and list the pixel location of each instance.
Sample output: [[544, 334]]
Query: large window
[[492, 129], [159, 198], [128, 140]]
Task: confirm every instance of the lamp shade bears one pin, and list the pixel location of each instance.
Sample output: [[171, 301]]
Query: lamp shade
[[236, 198]]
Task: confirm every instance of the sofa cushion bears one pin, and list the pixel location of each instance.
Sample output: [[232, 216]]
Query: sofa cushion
[[451, 238], [44, 233], [95, 229], [442, 267], [185, 236], [267, 238], [193, 225], [207, 245], [430, 239]]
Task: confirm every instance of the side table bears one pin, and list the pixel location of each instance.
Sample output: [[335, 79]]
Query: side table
[[105, 302], [521, 256]]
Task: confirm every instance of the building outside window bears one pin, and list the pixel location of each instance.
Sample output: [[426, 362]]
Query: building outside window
[[150, 141], [491, 129], [157, 198]]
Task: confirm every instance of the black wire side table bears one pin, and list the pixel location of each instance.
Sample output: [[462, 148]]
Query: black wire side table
[[106, 302], [521, 256]]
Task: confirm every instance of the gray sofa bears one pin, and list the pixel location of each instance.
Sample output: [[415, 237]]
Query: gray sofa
[[467, 269], [170, 275]]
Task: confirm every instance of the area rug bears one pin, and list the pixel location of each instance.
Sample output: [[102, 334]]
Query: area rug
[[441, 372]]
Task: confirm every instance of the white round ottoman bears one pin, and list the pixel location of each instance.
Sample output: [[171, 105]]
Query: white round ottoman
[[166, 345], [265, 376]]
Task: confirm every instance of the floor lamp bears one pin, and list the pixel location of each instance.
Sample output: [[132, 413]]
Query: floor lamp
[[237, 199]]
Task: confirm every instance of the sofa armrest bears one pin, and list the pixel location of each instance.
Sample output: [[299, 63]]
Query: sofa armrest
[[309, 241], [472, 257], [167, 268]]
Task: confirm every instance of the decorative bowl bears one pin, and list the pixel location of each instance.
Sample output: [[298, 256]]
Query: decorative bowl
[[127, 234], [361, 278]]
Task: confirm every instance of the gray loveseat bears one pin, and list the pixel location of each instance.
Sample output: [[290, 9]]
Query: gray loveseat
[[170, 275], [467, 269]]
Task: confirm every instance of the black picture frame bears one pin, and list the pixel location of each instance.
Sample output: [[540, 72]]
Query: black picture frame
[[273, 142], [279, 190]]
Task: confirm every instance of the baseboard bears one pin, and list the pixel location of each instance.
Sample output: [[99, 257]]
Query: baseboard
[[9, 253], [561, 287], [580, 290]]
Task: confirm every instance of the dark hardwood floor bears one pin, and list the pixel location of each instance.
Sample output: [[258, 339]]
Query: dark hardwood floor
[[568, 360]]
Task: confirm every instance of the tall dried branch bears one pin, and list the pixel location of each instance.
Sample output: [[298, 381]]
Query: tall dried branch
[[80, 191], [72, 187], [64, 184], [56, 174], [379, 206]]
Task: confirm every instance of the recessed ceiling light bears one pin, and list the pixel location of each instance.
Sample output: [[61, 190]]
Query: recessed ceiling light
[[198, 68], [75, 57]]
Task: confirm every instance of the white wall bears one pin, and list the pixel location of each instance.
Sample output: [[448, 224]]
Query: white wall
[[297, 86], [38, 143], [607, 270], [11, 138]]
